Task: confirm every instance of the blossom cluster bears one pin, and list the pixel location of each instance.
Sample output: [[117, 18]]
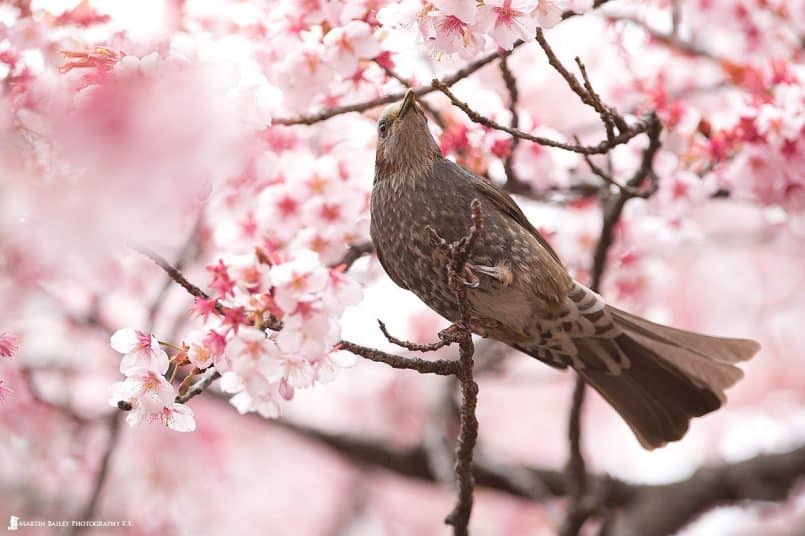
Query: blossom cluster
[[768, 142], [86, 117], [466, 27], [262, 366], [146, 393], [270, 327]]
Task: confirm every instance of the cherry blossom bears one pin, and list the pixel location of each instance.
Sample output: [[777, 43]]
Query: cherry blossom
[[141, 352], [297, 279], [348, 44], [8, 344], [510, 20], [453, 28], [549, 12], [203, 351], [151, 398]]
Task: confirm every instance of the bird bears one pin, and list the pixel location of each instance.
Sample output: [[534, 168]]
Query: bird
[[518, 291]]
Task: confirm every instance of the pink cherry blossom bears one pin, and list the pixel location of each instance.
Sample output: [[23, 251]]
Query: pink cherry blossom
[[341, 291], [508, 20], [151, 399], [178, 417], [252, 394], [328, 366], [200, 352], [296, 372], [141, 352], [452, 28], [297, 279], [8, 344], [310, 333], [549, 12], [349, 43]]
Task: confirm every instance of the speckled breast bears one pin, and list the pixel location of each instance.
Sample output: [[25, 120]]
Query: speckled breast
[[401, 211]]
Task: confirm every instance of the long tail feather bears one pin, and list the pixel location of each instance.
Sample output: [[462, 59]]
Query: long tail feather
[[674, 375], [719, 348], [657, 377]]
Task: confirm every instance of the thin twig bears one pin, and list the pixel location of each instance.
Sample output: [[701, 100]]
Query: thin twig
[[639, 127], [609, 118], [513, 183], [178, 277], [265, 322], [670, 40], [676, 17], [184, 253], [576, 469], [113, 430], [606, 177], [414, 347], [441, 367]]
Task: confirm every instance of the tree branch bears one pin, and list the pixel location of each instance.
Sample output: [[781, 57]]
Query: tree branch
[[649, 509], [102, 475], [441, 367], [670, 40], [353, 253], [198, 387], [659, 510], [605, 146], [513, 183], [328, 113]]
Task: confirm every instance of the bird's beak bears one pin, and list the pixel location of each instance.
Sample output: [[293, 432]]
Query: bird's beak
[[408, 102]]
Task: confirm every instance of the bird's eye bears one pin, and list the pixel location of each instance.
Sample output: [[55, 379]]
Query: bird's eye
[[383, 128]]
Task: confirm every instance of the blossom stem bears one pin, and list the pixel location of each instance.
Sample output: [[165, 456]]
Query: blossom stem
[[173, 372], [172, 346]]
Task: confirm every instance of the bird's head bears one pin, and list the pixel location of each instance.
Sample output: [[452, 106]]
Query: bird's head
[[404, 142]]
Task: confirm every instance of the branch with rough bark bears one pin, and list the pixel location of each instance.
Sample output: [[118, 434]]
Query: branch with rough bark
[[645, 510]]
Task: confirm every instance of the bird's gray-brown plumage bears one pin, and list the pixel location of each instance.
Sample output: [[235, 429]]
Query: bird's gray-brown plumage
[[655, 376]]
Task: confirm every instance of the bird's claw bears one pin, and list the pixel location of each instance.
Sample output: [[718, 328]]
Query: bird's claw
[[470, 279]]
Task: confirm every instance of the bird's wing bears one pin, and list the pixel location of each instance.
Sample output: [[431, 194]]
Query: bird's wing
[[582, 334], [581, 316], [507, 205]]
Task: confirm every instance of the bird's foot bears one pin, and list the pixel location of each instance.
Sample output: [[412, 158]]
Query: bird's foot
[[500, 272], [470, 279]]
